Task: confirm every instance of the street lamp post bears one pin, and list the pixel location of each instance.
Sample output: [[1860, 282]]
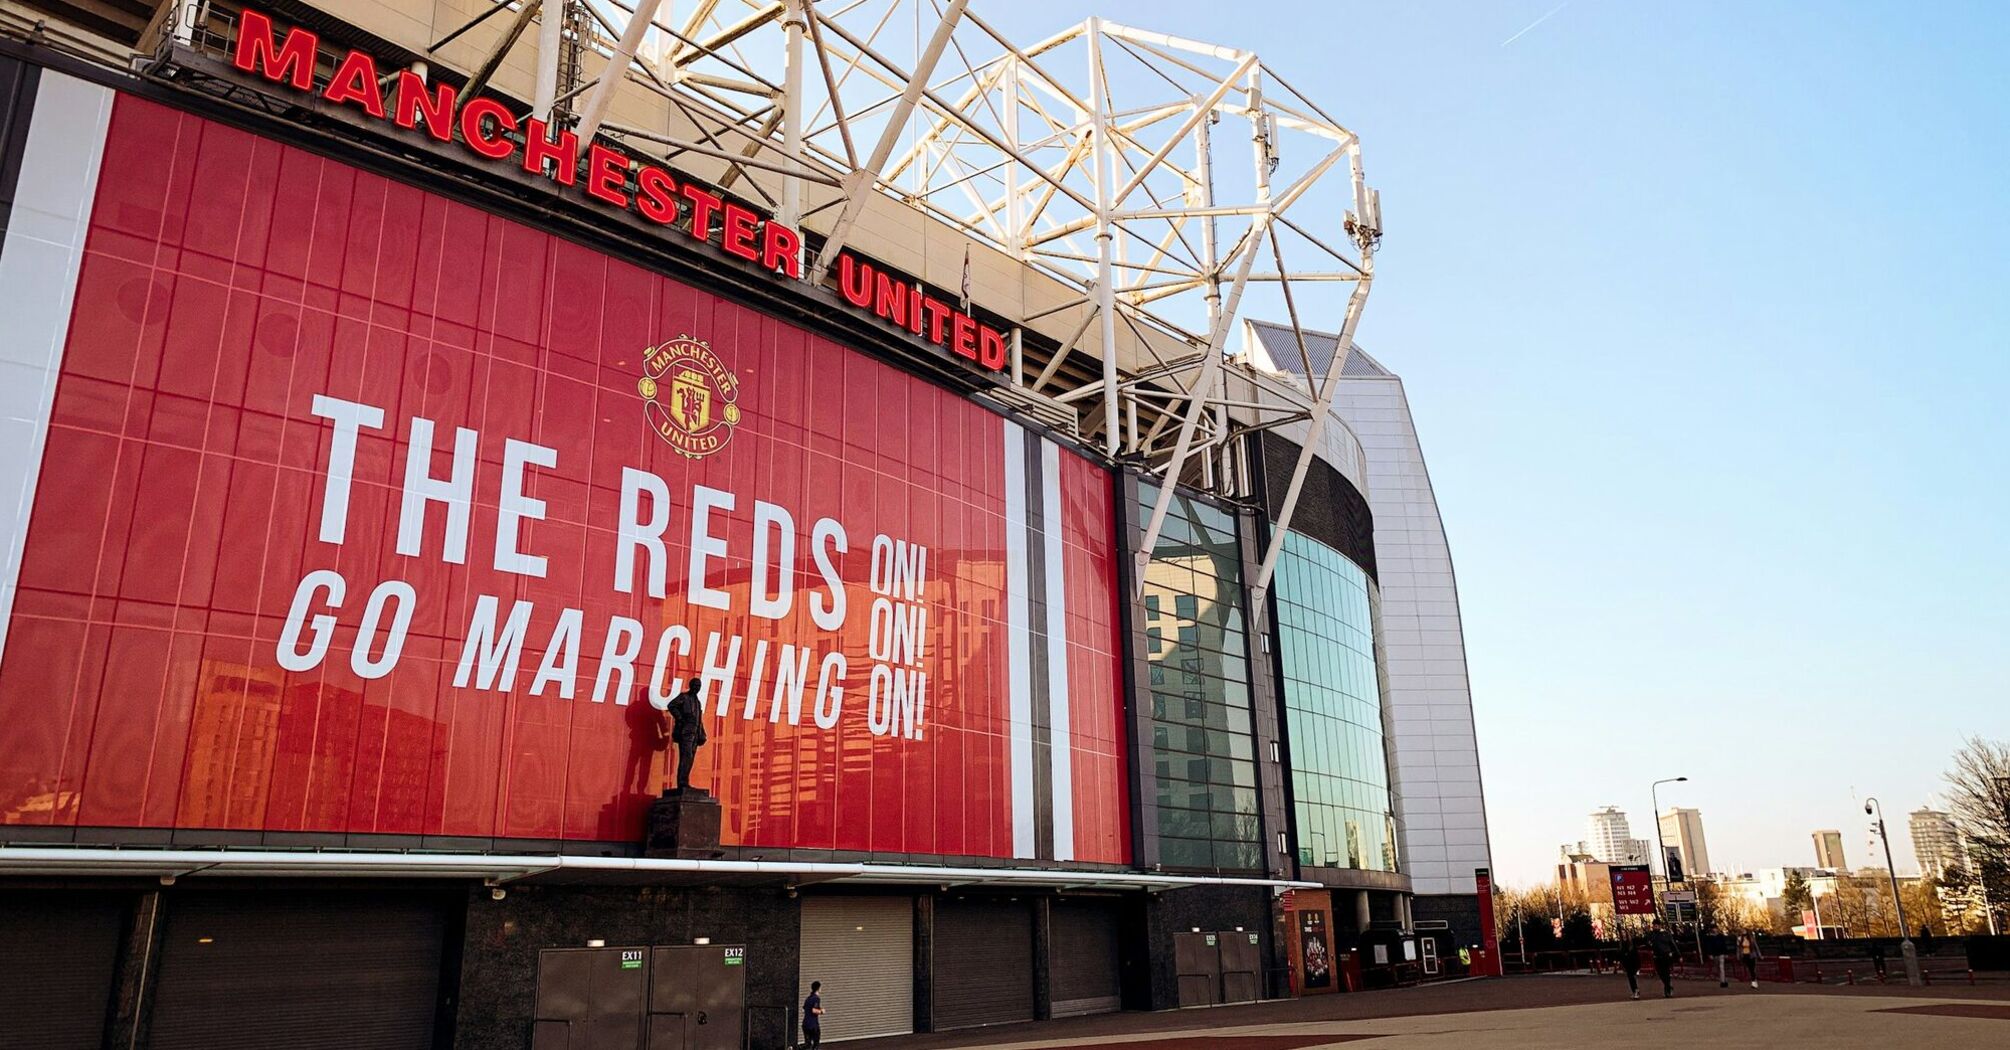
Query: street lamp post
[[1653, 792], [1905, 948]]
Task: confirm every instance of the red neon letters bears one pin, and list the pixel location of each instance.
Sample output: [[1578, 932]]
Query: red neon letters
[[488, 129], [870, 288]]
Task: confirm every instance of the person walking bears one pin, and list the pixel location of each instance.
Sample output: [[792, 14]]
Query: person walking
[[1663, 947], [1629, 961], [1718, 945], [1748, 953], [1877, 958], [813, 1016]]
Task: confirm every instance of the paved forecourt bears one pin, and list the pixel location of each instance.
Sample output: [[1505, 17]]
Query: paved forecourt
[[1714, 1019]]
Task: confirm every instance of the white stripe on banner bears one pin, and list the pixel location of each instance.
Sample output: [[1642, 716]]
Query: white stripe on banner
[[1019, 645], [1062, 757], [39, 263]]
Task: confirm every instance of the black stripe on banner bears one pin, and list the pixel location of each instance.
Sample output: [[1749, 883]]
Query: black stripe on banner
[[1036, 605], [18, 81]]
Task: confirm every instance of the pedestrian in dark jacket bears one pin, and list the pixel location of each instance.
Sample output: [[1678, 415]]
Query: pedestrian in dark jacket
[[1663, 947], [1629, 961], [1748, 952]]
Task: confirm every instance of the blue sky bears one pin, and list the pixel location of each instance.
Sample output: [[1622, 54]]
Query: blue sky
[[1702, 313]]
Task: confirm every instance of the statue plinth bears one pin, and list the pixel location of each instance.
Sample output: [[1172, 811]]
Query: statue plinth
[[683, 824]]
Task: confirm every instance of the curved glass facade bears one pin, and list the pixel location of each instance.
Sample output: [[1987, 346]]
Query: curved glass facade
[[1202, 747], [1333, 710]]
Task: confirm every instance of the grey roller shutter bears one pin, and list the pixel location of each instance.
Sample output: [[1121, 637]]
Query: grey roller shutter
[[862, 949], [983, 963], [58, 957], [298, 971], [1085, 972]]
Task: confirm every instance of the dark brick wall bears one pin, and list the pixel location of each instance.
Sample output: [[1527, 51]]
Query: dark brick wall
[[1330, 509], [1212, 908], [1461, 910], [499, 961]]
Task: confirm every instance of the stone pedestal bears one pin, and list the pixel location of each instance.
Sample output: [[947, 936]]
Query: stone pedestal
[[683, 824]]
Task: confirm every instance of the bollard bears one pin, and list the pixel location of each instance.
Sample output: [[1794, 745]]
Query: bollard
[[1926, 976], [1852, 976], [1971, 975], [1818, 973]]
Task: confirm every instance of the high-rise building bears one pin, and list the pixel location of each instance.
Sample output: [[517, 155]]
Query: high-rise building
[[1682, 831], [1608, 836], [1935, 842], [1829, 850]]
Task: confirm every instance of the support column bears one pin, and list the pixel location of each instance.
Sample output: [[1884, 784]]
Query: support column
[[139, 957], [1106, 283], [1043, 958], [794, 19], [924, 962], [1363, 917], [550, 44]]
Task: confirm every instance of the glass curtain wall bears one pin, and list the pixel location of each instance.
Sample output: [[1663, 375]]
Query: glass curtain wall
[[1333, 710], [1203, 748]]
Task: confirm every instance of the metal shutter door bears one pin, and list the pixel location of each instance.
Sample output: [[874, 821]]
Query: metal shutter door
[[983, 963], [334, 971], [58, 957], [862, 949], [1085, 969]]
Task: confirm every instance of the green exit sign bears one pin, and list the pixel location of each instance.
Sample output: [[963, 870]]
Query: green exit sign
[[631, 964]]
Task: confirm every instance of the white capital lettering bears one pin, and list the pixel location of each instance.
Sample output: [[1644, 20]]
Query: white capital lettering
[[497, 650], [825, 536], [705, 546], [635, 532], [394, 643], [561, 656], [290, 655], [421, 488], [617, 657], [781, 557], [349, 417], [513, 507]]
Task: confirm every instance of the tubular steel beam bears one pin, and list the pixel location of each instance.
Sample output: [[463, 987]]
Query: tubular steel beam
[[860, 181], [595, 109], [550, 42], [494, 61]]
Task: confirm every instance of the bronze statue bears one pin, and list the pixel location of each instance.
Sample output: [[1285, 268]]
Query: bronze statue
[[687, 731]]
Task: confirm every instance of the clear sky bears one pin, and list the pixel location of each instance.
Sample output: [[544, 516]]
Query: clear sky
[[1704, 313]]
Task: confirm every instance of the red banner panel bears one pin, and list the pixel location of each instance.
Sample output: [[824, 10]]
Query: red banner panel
[[366, 511]]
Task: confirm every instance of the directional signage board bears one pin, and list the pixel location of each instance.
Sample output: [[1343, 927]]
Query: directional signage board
[[1632, 889]]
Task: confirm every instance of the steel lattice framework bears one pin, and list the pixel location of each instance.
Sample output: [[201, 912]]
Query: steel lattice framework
[[1104, 157]]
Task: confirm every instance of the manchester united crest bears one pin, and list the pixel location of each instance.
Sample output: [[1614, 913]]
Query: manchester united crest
[[689, 396]]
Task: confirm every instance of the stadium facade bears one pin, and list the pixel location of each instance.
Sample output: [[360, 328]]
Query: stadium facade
[[404, 403]]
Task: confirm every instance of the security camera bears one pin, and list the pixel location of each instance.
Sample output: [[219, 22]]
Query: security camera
[[497, 893], [167, 880]]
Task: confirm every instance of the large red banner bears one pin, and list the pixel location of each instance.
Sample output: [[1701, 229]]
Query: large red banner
[[365, 511]]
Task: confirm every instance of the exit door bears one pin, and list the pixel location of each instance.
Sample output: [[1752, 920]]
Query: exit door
[[686, 997], [697, 997], [590, 998]]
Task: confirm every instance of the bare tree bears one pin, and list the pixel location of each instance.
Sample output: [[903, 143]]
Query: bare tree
[[1978, 800]]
